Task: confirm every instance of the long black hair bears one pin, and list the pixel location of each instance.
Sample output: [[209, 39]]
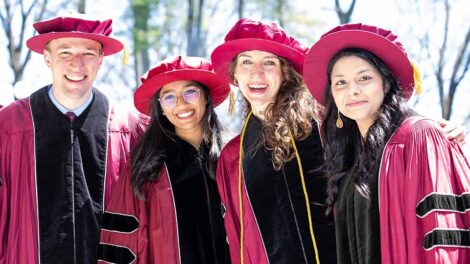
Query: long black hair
[[150, 152], [346, 152]]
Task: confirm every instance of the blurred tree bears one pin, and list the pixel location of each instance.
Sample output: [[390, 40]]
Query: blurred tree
[[459, 66], [450, 61], [240, 7], [194, 31], [280, 10], [81, 6], [140, 16], [14, 16], [344, 16]]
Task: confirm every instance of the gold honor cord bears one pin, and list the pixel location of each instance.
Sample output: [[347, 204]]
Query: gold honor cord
[[304, 188], [242, 234], [307, 202]]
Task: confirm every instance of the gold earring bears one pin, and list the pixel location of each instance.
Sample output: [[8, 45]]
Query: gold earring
[[339, 121], [231, 105], [235, 81]]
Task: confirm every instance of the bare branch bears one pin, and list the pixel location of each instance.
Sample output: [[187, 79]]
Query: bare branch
[[344, 17], [461, 56]]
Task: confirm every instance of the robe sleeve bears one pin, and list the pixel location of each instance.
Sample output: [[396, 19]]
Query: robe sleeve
[[124, 226], [227, 184], [4, 210], [438, 176]]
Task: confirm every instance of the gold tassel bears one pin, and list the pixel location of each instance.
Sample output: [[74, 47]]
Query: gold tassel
[[125, 55], [231, 106], [417, 78]]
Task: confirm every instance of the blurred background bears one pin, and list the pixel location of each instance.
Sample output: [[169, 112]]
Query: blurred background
[[435, 33]]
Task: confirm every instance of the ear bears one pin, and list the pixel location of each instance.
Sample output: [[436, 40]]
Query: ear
[[47, 58], [235, 78], [101, 59], [387, 88]]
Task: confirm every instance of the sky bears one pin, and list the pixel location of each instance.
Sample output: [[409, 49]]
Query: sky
[[400, 16]]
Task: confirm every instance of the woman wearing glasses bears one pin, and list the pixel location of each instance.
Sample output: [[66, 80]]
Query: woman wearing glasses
[[167, 209]]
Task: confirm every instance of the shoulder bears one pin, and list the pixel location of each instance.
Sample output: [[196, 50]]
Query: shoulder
[[231, 149], [127, 120], [232, 145], [16, 116], [415, 126]]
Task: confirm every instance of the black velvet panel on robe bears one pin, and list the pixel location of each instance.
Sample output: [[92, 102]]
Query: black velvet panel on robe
[[201, 230], [70, 172], [357, 223], [278, 200]]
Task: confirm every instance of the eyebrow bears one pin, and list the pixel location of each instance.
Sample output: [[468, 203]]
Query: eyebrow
[[360, 72], [185, 86], [66, 46], [167, 91], [365, 70], [267, 57]]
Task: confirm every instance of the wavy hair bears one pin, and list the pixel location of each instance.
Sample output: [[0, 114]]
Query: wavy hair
[[150, 151], [346, 152], [294, 109]]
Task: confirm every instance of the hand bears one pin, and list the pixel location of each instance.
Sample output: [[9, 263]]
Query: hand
[[453, 131]]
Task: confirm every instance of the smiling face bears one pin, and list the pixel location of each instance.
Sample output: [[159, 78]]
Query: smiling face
[[74, 63], [358, 90], [187, 111], [259, 77]]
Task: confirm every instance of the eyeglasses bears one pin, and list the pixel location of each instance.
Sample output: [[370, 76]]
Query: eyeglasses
[[190, 95]]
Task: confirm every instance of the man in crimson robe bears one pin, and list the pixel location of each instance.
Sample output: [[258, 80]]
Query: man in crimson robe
[[62, 149]]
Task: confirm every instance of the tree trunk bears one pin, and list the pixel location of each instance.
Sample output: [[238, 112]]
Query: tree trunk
[[460, 67], [141, 15], [344, 17], [15, 36], [280, 11], [194, 29], [241, 6], [81, 6]]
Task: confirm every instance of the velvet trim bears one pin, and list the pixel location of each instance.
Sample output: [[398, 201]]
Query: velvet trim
[[447, 238], [278, 201], [115, 254], [443, 202], [200, 224], [119, 223], [70, 169]]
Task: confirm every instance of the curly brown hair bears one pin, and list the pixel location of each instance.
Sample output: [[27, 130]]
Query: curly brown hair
[[294, 109]]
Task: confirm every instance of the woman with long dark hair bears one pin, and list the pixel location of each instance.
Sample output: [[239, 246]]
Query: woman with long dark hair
[[167, 208], [274, 202], [399, 187]]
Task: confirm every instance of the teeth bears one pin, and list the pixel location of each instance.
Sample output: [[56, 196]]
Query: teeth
[[258, 86], [185, 114], [75, 78]]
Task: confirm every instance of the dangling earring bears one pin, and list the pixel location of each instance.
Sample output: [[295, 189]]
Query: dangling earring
[[231, 105], [339, 121]]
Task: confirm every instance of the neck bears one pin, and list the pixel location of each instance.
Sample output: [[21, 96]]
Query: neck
[[363, 128], [71, 101], [192, 136], [259, 111]]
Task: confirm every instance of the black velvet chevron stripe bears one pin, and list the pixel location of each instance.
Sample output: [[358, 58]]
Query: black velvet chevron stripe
[[444, 202], [119, 223], [115, 254], [457, 238]]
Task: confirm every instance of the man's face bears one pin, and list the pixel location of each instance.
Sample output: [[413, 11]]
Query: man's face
[[74, 63]]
